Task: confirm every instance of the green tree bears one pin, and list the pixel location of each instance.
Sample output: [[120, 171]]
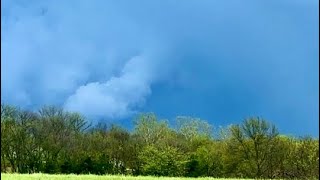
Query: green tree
[[304, 159], [254, 138], [196, 132], [150, 130], [166, 161]]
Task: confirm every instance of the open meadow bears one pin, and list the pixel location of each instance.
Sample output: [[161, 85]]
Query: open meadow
[[93, 177]]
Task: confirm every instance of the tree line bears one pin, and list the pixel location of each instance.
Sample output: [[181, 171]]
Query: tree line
[[53, 140]]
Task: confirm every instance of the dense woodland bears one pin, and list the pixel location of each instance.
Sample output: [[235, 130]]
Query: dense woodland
[[52, 140]]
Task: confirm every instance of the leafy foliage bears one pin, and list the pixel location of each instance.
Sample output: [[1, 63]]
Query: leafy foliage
[[55, 141]]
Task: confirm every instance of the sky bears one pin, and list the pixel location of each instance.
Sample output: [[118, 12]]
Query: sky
[[218, 60]]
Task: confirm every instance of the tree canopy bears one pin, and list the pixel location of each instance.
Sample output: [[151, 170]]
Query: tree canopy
[[53, 140]]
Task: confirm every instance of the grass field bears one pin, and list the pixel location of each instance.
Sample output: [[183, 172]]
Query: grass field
[[92, 177]]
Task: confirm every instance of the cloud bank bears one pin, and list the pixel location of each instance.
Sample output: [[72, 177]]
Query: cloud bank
[[220, 60], [82, 55]]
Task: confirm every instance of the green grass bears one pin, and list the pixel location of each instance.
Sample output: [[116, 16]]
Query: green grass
[[93, 177]]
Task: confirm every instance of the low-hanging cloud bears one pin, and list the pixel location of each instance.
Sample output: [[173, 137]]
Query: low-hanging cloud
[[118, 96], [86, 62]]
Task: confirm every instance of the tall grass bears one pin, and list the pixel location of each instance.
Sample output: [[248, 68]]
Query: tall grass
[[93, 177]]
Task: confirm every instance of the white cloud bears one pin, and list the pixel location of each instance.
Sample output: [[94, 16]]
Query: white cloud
[[117, 97]]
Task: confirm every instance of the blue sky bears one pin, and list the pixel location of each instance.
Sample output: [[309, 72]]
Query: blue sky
[[221, 61]]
